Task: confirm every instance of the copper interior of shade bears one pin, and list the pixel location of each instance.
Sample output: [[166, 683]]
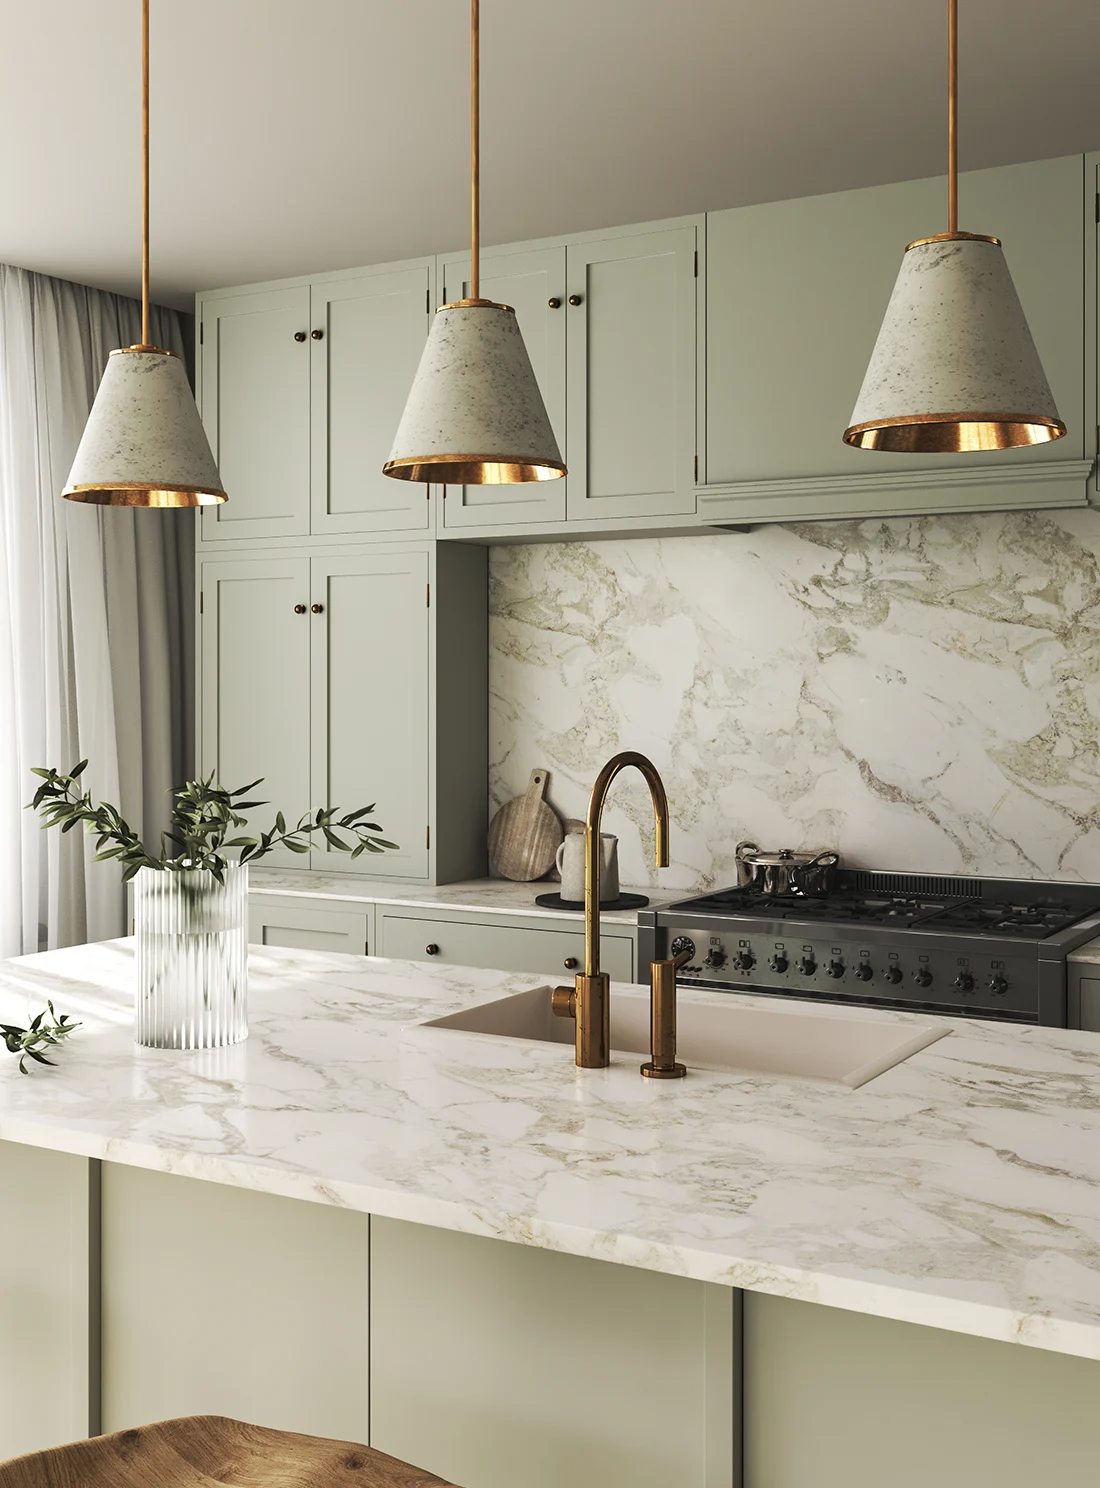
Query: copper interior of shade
[[954, 433], [472, 470], [137, 493]]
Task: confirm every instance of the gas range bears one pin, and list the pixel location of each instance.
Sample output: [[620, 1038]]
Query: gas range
[[990, 948]]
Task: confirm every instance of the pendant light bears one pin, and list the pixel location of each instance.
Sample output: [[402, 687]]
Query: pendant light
[[144, 444], [475, 415], [954, 369]]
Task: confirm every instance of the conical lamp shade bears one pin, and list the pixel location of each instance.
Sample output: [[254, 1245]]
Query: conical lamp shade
[[475, 415], [144, 444], [954, 368]]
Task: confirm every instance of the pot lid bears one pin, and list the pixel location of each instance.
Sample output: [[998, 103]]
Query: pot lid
[[748, 852]]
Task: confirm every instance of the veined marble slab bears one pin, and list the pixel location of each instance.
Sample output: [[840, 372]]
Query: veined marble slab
[[922, 694], [484, 895], [960, 1189]]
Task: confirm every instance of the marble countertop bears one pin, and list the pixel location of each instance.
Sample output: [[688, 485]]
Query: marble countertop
[[1089, 953], [488, 895], [960, 1189]]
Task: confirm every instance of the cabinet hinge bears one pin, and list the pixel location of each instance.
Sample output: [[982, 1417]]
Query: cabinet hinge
[[427, 596], [696, 263]]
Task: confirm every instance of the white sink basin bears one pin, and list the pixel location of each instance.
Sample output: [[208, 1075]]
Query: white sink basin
[[793, 1042]]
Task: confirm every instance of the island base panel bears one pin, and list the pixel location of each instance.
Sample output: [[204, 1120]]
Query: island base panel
[[48, 1298], [842, 1400], [222, 1301], [495, 1364]]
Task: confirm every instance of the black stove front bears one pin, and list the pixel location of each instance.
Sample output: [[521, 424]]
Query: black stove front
[[991, 948]]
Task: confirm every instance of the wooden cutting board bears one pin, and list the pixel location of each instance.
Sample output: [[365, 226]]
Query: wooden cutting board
[[525, 834]]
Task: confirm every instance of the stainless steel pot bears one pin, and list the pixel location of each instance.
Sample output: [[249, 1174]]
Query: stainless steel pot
[[786, 871]]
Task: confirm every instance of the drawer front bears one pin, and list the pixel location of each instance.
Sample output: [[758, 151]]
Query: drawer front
[[302, 928], [502, 947]]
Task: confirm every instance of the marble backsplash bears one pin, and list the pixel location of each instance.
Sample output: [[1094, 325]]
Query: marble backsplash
[[922, 694]]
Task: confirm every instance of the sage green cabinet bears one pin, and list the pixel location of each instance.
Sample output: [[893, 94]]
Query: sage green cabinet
[[254, 376], [304, 925], [533, 283], [347, 678], [301, 390], [532, 945], [795, 295], [631, 373], [374, 326]]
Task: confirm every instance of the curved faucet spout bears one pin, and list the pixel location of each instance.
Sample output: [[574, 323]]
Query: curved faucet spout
[[592, 842]]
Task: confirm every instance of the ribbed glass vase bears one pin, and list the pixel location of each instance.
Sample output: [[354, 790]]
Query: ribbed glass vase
[[192, 958]]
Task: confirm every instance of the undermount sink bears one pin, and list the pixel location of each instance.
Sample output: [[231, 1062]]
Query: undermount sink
[[791, 1042]]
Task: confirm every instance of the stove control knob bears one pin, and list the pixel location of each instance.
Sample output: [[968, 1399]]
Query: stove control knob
[[715, 958], [893, 974], [998, 985], [779, 962], [744, 961], [865, 971], [964, 982], [807, 966], [923, 977], [835, 968], [681, 944]]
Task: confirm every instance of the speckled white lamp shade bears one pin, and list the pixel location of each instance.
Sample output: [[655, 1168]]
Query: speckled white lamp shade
[[144, 444], [475, 415], [954, 368]]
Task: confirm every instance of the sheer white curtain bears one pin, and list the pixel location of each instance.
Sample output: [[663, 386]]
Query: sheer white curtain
[[95, 616]]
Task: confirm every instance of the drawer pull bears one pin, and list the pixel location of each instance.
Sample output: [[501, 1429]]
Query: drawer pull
[[570, 963], [431, 949]]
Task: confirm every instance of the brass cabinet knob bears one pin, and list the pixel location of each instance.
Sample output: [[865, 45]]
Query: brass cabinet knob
[[574, 299], [299, 335], [431, 949], [570, 963], [555, 303], [318, 335], [299, 609], [318, 609]]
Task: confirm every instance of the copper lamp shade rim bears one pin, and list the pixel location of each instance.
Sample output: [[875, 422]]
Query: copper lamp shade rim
[[473, 470], [145, 493], [477, 305], [152, 350], [943, 433], [954, 237]]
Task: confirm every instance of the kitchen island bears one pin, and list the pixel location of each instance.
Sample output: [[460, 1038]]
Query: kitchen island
[[459, 1245]]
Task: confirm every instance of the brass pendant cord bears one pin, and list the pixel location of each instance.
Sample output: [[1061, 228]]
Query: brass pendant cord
[[145, 172], [952, 116], [475, 147]]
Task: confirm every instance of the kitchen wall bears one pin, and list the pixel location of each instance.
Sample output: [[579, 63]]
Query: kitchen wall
[[920, 693]]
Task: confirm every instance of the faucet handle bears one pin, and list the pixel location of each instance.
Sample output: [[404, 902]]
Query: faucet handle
[[563, 1002]]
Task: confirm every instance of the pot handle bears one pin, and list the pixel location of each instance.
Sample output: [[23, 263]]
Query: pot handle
[[742, 850], [823, 860]]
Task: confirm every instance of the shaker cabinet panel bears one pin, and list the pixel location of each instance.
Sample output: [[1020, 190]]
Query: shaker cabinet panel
[[255, 407], [370, 699], [528, 281], [255, 639], [470, 940], [631, 373], [372, 332], [796, 293]]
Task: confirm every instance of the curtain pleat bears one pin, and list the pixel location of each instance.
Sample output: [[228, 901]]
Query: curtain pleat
[[96, 610]]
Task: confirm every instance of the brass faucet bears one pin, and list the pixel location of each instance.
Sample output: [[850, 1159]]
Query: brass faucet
[[589, 1002]]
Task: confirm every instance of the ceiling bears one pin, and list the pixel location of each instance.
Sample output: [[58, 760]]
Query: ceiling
[[293, 136]]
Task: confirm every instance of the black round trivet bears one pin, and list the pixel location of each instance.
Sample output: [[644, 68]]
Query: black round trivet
[[624, 901]]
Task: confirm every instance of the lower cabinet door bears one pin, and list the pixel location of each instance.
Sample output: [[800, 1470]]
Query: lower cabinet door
[[277, 922], [471, 942]]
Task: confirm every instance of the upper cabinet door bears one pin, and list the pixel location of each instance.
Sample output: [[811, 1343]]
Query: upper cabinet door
[[533, 283], [255, 406], [366, 336], [370, 674], [255, 633], [631, 375], [796, 292]]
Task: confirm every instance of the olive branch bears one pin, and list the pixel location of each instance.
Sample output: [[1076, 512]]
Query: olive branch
[[203, 816], [47, 1031]]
